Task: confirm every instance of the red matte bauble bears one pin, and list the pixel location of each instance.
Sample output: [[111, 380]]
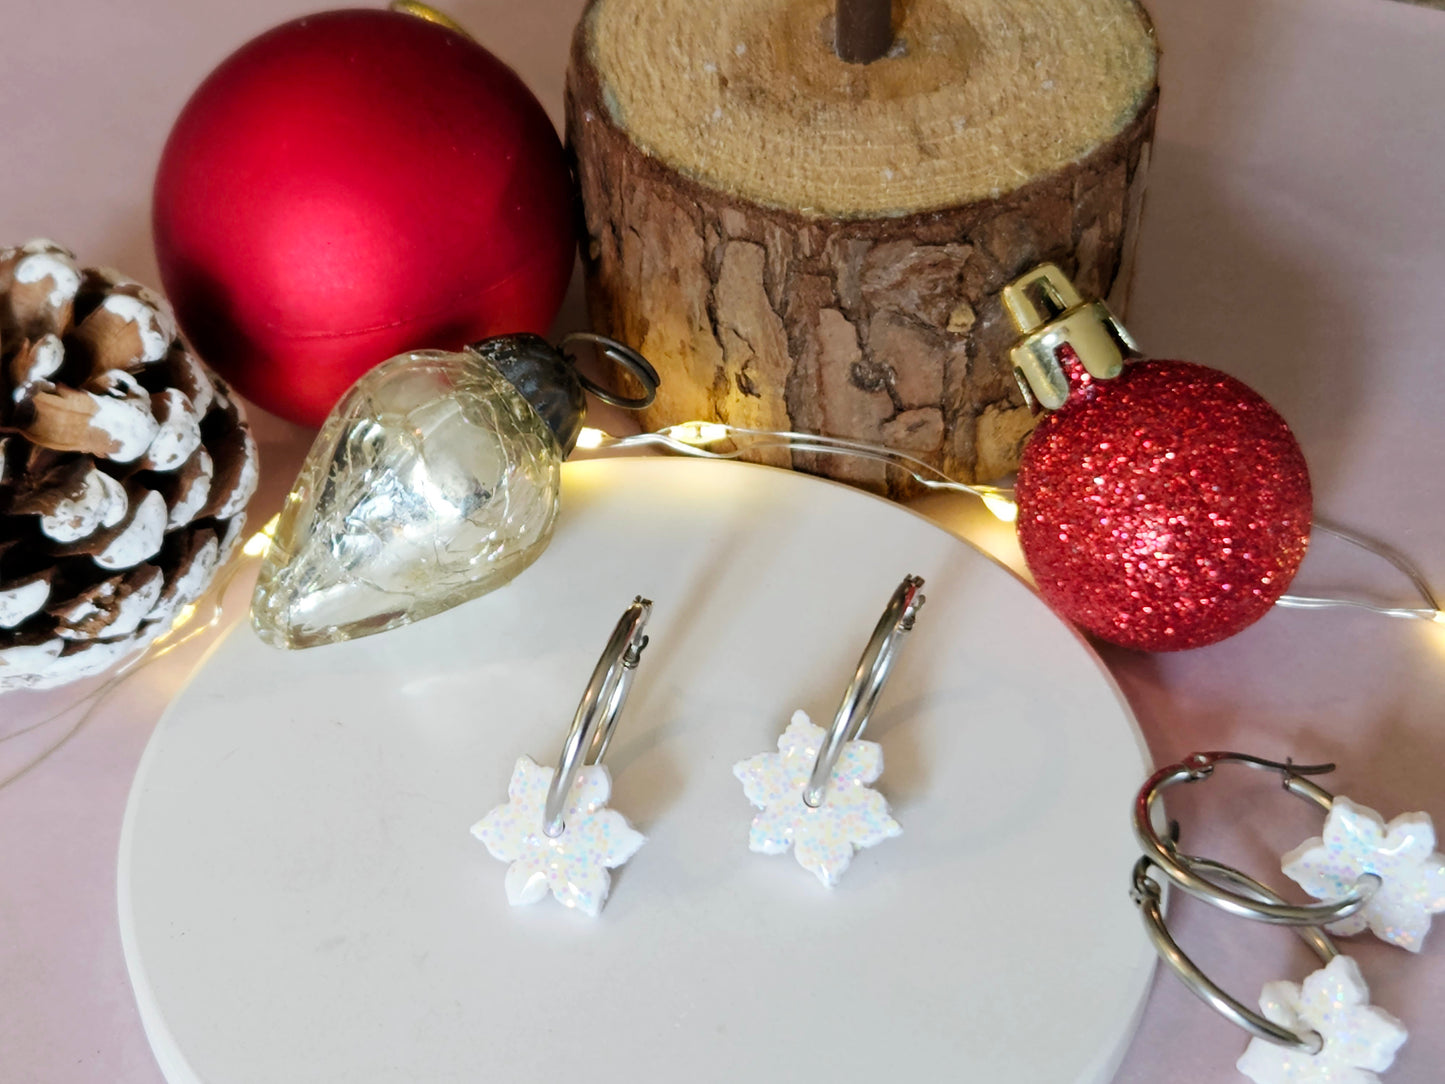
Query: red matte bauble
[[1166, 508], [352, 185]]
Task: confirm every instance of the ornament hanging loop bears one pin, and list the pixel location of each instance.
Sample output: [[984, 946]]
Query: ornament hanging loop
[[597, 714], [867, 684], [629, 359], [1049, 313], [1184, 870]]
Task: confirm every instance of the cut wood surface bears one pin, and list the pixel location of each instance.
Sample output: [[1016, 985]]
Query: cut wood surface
[[802, 243]]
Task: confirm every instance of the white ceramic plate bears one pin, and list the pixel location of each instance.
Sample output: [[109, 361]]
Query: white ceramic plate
[[301, 899]]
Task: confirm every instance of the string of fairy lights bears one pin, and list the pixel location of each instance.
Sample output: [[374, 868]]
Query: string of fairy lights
[[718, 440]]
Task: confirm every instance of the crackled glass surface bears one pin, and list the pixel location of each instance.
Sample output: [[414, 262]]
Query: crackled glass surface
[[432, 482]]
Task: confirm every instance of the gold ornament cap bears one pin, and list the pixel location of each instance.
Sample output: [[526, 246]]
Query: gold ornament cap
[[1049, 313], [429, 14]]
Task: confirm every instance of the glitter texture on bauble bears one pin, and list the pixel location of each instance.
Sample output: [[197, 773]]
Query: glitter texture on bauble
[[1165, 508]]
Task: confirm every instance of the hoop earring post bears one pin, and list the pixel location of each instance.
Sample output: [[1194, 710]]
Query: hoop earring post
[[597, 714], [867, 684]]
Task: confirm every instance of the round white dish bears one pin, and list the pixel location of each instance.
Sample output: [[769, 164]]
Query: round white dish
[[301, 898]]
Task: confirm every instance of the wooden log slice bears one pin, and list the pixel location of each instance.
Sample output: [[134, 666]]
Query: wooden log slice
[[801, 243]]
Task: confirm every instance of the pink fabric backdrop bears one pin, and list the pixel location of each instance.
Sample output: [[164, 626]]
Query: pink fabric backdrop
[[1293, 236]]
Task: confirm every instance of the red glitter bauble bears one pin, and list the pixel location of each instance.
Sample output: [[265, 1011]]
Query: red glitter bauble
[[1166, 508], [352, 185]]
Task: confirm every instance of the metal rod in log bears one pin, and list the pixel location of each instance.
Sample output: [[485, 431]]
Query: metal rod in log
[[863, 31]]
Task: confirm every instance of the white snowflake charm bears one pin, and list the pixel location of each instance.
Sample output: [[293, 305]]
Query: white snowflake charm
[[1356, 841], [851, 815], [814, 791], [555, 828], [1321, 1031], [572, 865], [1358, 1040]]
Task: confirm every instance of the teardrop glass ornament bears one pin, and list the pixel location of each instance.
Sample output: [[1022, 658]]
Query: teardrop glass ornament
[[433, 481]]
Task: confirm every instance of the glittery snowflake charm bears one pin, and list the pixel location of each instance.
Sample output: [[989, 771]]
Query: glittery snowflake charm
[[574, 865], [1359, 1039], [1356, 841], [851, 816]]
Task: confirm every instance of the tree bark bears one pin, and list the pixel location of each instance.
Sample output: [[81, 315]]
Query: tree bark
[[887, 329]]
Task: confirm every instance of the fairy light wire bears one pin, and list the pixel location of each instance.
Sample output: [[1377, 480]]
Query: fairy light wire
[[184, 629], [700, 439], [1429, 612], [696, 438]]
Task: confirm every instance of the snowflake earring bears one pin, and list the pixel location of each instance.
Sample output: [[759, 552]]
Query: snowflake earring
[[1320, 1031], [814, 791], [555, 828], [1384, 877]]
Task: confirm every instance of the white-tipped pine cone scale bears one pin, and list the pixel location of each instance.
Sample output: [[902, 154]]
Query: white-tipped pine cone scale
[[125, 468]]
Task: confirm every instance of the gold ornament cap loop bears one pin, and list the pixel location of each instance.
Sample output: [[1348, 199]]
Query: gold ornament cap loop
[[1047, 310]]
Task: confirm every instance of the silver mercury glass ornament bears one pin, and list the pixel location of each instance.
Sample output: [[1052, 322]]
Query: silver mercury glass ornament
[[434, 480]]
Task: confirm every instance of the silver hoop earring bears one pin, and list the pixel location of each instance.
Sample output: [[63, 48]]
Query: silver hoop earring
[[814, 792], [1385, 877], [1322, 1029], [555, 827]]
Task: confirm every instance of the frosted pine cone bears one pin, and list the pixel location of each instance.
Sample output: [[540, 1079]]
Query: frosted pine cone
[[125, 468]]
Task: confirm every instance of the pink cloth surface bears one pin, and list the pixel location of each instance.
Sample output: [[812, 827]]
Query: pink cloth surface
[[1294, 236]]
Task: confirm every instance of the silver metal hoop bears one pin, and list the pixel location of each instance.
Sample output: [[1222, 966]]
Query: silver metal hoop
[[597, 714], [1146, 894], [622, 355], [1164, 854], [867, 684]]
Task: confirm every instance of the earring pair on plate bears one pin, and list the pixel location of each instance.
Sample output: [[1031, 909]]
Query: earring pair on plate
[[1387, 878], [814, 794]]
